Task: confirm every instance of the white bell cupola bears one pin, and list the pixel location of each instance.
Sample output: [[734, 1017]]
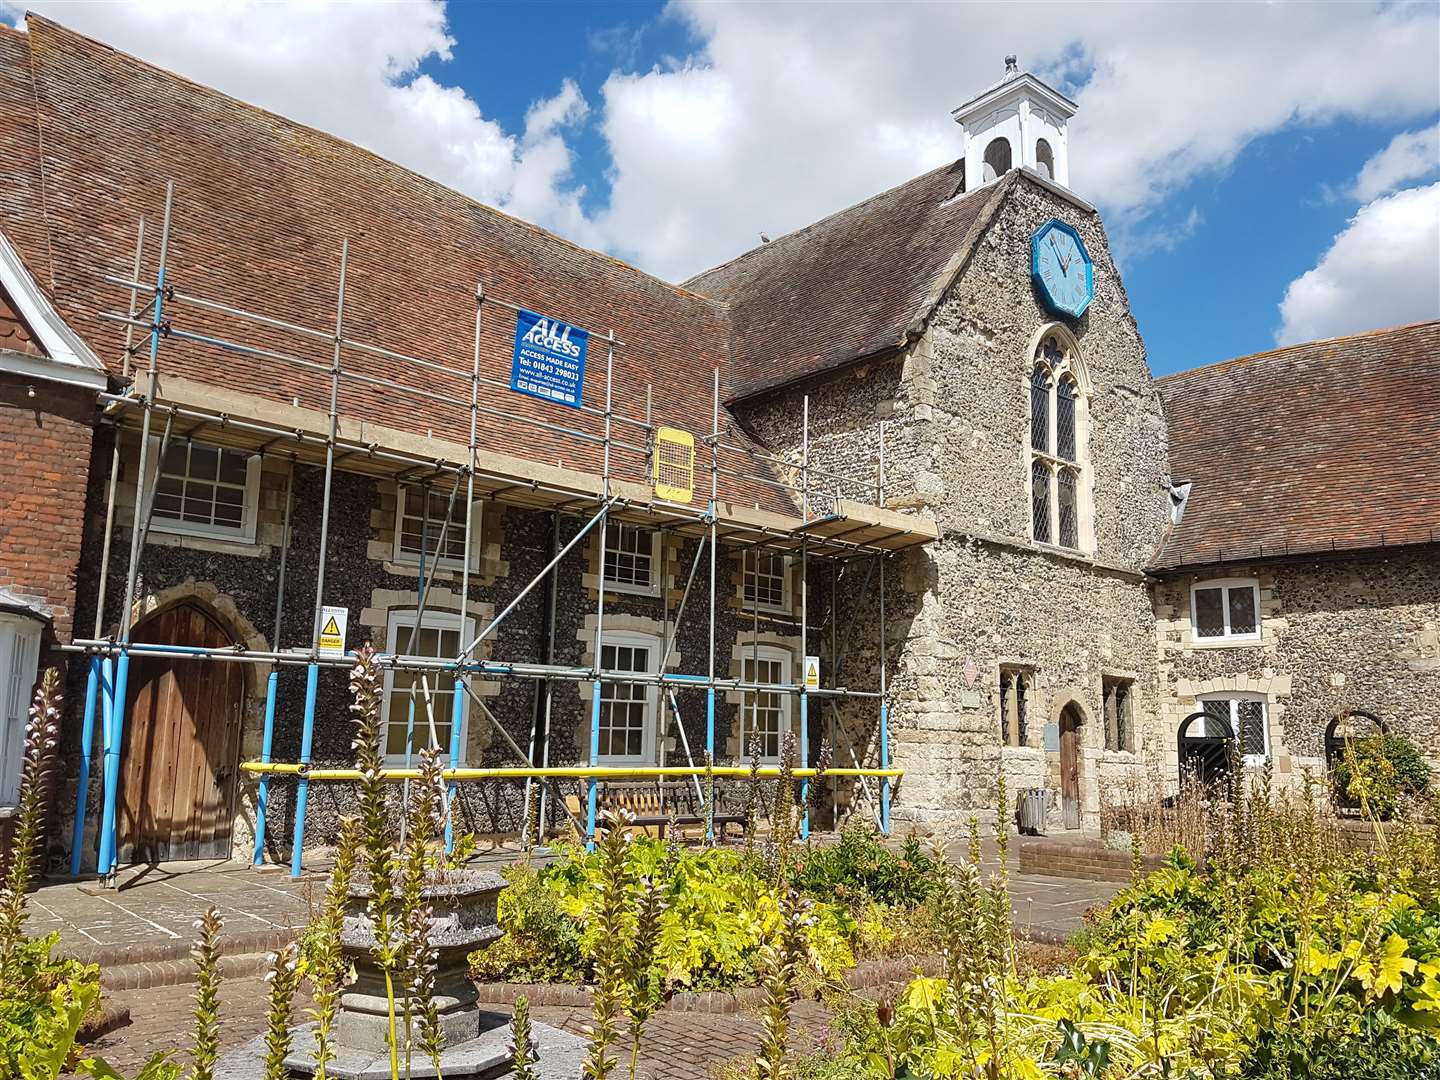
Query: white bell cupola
[[1018, 122]]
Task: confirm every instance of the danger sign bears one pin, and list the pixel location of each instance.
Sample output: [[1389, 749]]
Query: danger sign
[[332, 631], [812, 673]]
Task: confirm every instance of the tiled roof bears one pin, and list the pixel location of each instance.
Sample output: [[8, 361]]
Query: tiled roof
[[850, 286], [260, 209], [1331, 444]]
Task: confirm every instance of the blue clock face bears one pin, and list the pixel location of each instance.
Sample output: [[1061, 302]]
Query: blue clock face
[[1061, 269]]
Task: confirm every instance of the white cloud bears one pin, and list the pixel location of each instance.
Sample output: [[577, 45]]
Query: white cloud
[[351, 69], [785, 112], [1382, 270], [1411, 155]]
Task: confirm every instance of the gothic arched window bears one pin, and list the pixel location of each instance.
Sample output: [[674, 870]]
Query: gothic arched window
[[997, 158], [1057, 442], [1044, 159]]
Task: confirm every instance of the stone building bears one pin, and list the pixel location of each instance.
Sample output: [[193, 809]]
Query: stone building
[[1302, 581], [942, 467]]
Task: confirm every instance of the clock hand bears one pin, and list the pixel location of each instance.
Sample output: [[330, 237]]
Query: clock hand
[[1064, 262]]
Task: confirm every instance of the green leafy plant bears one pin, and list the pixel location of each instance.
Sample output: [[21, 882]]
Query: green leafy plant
[[859, 868], [1379, 772]]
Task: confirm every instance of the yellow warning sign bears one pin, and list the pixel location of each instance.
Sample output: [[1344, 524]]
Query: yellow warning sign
[[812, 673], [332, 631]]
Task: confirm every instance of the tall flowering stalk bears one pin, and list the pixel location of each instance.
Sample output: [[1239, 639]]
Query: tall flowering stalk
[[206, 953], [41, 735], [523, 1050], [417, 956], [752, 795], [328, 966], [611, 913], [643, 986], [283, 977], [379, 856], [781, 960]]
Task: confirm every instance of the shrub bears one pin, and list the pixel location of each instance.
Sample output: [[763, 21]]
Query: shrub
[[541, 942], [1380, 772], [858, 869]]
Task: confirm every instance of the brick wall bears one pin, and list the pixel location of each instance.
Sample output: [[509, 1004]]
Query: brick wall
[[42, 487]]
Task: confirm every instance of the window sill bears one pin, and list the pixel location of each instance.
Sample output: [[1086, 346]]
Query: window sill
[[1225, 642], [632, 590], [202, 541], [768, 611], [405, 568]]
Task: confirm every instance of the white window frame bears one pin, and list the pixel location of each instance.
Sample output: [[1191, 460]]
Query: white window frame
[[650, 731], [786, 659], [786, 605], [412, 558], [1225, 585], [657, 570], [244, 533], [405, 619], [19, 667], [1233, 696]]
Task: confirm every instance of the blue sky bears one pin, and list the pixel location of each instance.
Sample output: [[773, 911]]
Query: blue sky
[[1224, 143]]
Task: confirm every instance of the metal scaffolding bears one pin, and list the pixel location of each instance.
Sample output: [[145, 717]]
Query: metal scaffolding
[[853, 525]]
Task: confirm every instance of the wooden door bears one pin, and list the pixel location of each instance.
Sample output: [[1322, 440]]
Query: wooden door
[[1070, 766], [182, 744]]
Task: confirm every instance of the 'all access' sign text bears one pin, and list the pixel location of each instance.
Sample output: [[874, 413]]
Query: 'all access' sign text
[[549, 359]]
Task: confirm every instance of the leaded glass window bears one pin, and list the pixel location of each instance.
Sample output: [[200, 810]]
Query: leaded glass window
[[1014, 694], [1065, 419], [1040, 500], [1115, 694], [1068, 508], [1225, 610], [1244, 718], [1056, 440], [1040, 410]]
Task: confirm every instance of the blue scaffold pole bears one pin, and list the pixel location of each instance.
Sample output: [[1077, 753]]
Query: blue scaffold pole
[[457, 714], [805, 763], [302, 790], [885, 764], [593, 797], [710, 757], [113, 742], [267, 743], [87, 747]]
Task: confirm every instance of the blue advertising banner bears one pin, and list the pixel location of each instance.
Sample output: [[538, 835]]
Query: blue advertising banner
[[549, 359]]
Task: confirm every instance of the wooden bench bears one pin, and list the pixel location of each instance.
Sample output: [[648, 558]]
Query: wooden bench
[[656, 805]]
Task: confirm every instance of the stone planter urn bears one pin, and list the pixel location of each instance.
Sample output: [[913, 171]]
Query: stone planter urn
[[463, 916], [463, 906]]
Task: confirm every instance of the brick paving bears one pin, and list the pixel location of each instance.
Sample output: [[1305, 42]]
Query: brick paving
[[141, 935]]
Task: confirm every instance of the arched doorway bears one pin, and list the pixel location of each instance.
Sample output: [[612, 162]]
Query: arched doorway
[[1071, 721], [1349, 725], [1205, 745], [182, 743]]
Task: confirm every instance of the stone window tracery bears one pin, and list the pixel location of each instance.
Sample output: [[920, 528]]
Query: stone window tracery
[[1058, 443], [1014, 703]]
